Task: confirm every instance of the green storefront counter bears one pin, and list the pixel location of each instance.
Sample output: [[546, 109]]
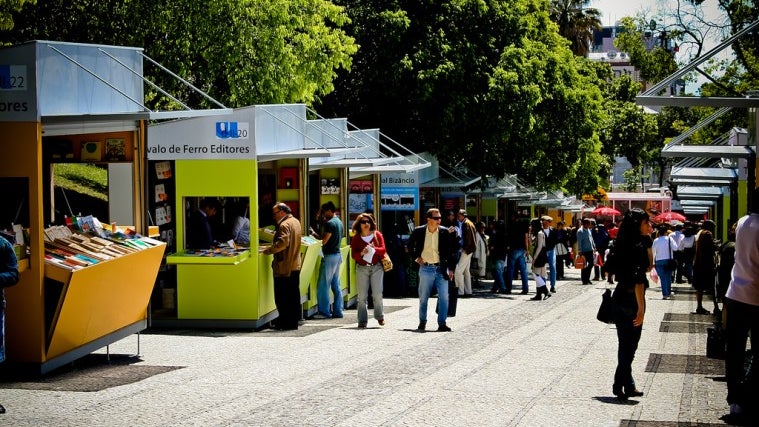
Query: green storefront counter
[[222, 291]]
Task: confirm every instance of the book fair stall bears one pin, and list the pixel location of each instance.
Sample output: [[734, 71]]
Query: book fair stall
[[273, 153], [88, 266], [241, 163]]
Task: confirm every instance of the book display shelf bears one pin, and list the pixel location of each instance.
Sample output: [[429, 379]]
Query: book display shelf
[[95, 286]]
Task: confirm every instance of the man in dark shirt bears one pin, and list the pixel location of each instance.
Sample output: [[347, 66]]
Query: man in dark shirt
[[199, 234], [329, 271]]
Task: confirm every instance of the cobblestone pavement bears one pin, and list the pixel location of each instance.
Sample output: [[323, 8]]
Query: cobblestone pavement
[[509, 361]]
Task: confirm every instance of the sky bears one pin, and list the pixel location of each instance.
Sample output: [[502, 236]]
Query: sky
[[614, 10]]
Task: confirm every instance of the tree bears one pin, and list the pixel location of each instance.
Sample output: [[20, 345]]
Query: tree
[[7, 8], [241, 52], [576, 23], [628, 131], [655, 61], [485, 83]]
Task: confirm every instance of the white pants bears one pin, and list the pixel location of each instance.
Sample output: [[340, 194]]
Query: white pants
[[462, 275]]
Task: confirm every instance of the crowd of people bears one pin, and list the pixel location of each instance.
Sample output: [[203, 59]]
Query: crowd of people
[[451, 251]]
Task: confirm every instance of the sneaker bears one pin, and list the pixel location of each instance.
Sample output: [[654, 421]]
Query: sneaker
[[553, 290], [320, 316], [381, 322], [362, 325], [443, 328]]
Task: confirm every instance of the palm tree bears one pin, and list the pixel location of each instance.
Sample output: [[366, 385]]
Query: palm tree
[[576, 23]]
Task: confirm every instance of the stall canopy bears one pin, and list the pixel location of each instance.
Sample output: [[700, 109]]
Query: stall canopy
[[331, 143], [507, 187], [723, 176], [445, 176], [685, 192], [85, 88]]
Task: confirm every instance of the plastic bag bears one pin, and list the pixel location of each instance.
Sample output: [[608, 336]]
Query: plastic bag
[[654, 276]]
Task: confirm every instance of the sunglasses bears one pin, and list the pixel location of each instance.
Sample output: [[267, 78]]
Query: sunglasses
[[436, 218], [364, 222]]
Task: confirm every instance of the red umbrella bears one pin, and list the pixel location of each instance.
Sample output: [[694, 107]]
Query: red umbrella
[[605, 211], [669, 216]]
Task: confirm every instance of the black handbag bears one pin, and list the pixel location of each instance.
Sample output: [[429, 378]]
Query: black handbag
[[715, 342], [606, 310]]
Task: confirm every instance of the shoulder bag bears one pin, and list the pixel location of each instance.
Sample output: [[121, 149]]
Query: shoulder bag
[[387, 263], [606, 310]]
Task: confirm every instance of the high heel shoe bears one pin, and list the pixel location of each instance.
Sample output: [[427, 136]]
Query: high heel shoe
[[617, 390]]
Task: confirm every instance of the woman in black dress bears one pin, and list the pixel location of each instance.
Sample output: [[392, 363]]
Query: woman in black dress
[[634, 244]]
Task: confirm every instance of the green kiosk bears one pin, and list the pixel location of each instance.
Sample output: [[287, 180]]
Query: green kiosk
[[243, 163]]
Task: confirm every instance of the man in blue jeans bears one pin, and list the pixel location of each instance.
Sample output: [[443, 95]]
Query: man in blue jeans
[[519, 241], [329, 277], [434, 249]]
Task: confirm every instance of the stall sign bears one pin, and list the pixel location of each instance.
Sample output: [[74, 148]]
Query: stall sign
[[399, 198], [400, 179], [17, 94], [203, 138]]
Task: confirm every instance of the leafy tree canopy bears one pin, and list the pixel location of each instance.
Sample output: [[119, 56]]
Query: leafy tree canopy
[[240, 52], [7, 7], [488, 83]]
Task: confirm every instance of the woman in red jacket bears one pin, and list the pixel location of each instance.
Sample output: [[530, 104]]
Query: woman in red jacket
[[368, 248]]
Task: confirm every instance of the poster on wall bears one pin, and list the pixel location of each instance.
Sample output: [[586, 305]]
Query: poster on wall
[[361, 186], [358, 203], [330, 186], [288, 178], [115, 149], [399, 198]]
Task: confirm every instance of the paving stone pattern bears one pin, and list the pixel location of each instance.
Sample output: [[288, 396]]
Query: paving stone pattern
[[509, 361]]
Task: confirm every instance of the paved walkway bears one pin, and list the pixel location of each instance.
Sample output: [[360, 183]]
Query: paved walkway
[[508, 362]]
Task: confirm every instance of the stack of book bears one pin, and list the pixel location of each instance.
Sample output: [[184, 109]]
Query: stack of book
[[75, 250]]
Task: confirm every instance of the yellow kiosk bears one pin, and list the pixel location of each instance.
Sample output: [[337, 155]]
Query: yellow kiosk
[[74, 103]]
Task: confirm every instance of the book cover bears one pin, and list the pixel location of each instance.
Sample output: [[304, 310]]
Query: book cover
[[160, 193], [160, 216], [163, 170], [91, 151], [115, 149]]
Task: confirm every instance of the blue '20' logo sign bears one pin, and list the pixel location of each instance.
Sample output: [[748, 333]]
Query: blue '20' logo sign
[[227, 130]]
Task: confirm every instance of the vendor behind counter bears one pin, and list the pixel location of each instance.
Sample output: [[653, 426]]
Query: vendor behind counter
[[199, 232]]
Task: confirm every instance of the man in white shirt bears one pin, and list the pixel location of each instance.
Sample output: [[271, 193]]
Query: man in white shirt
[[743, 316], [677, 237]]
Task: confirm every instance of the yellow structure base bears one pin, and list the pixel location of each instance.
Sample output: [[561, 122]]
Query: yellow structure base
[[97, 305]]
